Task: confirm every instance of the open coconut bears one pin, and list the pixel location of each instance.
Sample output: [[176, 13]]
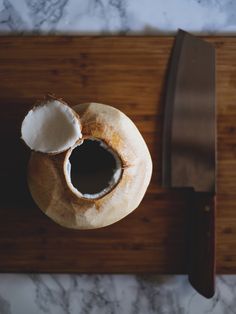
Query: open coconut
[[51, 127], [90, 166]]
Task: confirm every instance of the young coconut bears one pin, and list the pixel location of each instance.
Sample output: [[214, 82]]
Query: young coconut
[[85, 180], [51, 127]]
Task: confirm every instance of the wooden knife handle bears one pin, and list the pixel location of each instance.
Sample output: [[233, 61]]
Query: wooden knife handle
[[201, 263]]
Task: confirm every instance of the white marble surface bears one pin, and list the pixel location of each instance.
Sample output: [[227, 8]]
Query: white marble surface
[[111, 294], [64, 294], [126, 16]]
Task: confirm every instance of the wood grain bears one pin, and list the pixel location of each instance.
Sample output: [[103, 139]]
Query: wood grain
[[128, 73]]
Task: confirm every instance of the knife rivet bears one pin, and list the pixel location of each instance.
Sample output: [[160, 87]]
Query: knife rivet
[[207, 208]]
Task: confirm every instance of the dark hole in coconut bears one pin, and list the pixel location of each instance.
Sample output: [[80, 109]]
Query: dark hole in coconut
[[94, 167]]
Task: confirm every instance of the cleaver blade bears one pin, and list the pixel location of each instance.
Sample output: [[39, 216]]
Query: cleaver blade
[[189, 149]]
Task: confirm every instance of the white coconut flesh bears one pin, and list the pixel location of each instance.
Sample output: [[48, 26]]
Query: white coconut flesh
[[92, 169], [52, 127]]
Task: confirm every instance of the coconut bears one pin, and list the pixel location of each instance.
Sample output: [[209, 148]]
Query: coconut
[[51, 127], [85, 179]]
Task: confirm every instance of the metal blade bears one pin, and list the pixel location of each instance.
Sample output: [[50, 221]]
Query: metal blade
[[189, 134]]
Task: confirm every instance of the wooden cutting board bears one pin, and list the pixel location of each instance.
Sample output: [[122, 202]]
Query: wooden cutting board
[[128, 73]]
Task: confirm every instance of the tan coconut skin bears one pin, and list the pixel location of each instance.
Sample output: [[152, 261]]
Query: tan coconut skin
[[53, 194]]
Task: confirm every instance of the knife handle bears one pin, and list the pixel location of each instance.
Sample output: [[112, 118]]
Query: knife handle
[[201, 263]]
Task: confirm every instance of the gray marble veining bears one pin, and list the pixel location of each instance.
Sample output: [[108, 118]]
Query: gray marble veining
[[4, 306], [111, 294], [119, 16], [107, 294]]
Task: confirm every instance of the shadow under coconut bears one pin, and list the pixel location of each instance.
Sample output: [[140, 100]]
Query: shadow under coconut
[[14, 154]]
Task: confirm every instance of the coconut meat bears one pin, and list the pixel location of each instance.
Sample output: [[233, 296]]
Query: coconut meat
[[51, 127], [99, 179]]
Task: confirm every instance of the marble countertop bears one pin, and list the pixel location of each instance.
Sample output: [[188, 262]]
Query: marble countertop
[[118, 16], [126, 294]]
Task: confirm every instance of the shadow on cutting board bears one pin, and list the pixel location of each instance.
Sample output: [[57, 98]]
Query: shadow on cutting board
[[14, 153]]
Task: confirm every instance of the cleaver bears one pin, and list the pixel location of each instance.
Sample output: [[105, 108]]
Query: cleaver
[[189, 150]]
